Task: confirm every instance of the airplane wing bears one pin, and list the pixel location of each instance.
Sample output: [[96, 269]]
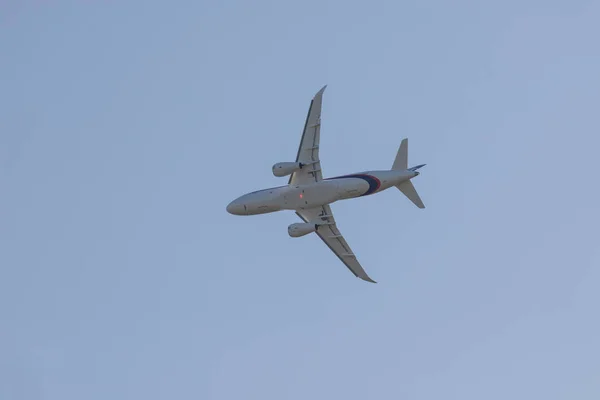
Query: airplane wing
[[333, 238], [308, 152]]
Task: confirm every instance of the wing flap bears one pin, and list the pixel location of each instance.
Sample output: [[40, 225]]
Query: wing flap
[[308, 151], [334, 239]]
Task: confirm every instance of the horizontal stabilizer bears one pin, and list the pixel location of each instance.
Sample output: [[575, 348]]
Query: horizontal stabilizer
[[409, 191], [417, 167]]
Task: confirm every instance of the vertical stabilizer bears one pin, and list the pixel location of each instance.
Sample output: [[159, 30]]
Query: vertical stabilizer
[[401, 161]]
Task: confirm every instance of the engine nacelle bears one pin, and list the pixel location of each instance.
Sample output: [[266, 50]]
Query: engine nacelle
[[301, 229], [286, 168]]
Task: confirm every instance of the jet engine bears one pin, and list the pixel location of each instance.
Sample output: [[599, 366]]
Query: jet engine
[[286, 168], [301, 229]]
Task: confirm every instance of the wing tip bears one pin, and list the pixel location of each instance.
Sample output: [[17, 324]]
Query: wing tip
[[320, 92], [367, 279]]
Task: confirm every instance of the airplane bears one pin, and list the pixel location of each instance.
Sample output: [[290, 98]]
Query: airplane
[[310, 195]]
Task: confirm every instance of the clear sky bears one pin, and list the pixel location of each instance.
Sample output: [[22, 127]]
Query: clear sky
[[127, 126]]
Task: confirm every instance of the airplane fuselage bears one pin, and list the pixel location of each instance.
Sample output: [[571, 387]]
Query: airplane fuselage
[[326, 191]]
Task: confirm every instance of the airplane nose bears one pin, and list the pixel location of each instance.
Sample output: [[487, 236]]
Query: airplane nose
[[235, 208]]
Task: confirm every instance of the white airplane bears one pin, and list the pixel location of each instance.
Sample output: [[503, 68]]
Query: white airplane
[[309, 195]]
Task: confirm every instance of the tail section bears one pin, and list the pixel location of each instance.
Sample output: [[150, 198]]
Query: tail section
[[409, 191], [401, 163]]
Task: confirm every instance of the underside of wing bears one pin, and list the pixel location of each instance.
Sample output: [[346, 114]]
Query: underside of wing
[[308, 151], [333, 238]]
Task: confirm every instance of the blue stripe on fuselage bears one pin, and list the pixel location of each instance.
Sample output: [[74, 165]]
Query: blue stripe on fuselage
[[373, 182]]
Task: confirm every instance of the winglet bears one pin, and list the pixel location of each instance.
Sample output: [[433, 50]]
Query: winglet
[[362, 274], [320, 92], [366, 278]]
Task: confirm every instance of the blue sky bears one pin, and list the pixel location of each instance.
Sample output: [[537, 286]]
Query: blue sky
[[126, 128]]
